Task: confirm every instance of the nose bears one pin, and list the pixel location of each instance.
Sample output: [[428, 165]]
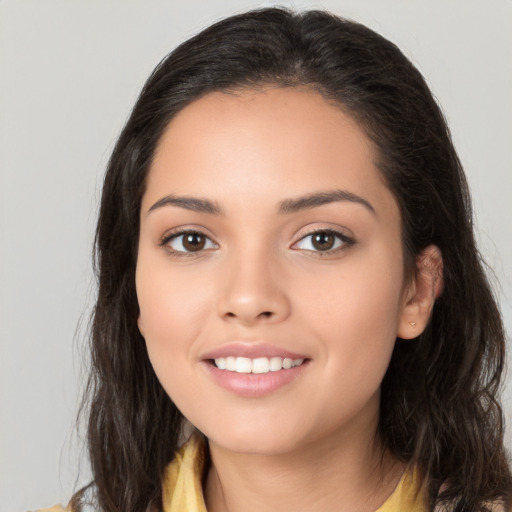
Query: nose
[[253, 291]]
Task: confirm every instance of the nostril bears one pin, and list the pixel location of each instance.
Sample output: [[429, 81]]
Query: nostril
[[266, 314]]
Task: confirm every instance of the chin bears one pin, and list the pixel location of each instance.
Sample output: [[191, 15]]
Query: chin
[[255, 440]]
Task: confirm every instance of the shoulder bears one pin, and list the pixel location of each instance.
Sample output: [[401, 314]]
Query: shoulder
[[408, 495], [55, 508], [182, 483]]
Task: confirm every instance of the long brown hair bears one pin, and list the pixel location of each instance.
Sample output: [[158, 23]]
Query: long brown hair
[[440, 410]]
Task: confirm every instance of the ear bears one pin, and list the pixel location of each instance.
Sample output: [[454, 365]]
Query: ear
[[425, 287]]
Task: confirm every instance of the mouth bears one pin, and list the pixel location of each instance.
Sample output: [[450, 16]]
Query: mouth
[[254, 370], [258, 365]]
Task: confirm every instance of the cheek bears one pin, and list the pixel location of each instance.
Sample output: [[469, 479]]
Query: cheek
[[172, 310], [356, 320], [357, 313], [365, 297]]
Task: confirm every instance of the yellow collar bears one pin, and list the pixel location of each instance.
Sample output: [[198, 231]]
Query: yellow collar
[[182, 485]]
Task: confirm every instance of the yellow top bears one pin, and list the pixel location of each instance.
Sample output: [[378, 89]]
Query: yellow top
[[182, 488]]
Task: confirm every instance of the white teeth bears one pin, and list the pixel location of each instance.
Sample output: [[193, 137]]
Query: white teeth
[[221, 363], [243, 365], [258, 365], [276, 363]]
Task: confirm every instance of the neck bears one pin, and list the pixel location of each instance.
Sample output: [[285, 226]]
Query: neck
[[335, 473]]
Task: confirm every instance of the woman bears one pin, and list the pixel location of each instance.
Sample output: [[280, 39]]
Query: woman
[[286, 259]]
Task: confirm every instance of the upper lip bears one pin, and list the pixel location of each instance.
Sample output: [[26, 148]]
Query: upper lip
[[251, 350]]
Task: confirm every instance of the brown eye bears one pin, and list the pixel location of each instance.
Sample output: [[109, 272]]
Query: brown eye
[[194, 242], [189, 242], [323, 241]]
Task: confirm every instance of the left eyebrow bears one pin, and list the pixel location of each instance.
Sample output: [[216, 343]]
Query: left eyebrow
[[320, 198]]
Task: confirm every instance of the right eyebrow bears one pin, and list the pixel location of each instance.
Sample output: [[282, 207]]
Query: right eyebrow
[[195, 204]]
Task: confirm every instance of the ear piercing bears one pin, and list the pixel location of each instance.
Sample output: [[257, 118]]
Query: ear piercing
[[413, 324]]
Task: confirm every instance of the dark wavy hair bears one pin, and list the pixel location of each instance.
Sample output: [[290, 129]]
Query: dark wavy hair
[[440, 410]]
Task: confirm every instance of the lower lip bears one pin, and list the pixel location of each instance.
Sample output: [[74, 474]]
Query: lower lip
[[254, 385]]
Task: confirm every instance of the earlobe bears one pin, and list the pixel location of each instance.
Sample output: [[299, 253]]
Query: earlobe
[[427, 285]]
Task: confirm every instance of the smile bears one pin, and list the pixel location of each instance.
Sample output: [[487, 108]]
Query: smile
[[254, 370], [257, 365]]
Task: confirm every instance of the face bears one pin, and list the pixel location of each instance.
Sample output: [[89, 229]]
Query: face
[[270, 270]]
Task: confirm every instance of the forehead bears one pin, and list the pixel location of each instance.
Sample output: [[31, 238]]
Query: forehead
[[269, 141]]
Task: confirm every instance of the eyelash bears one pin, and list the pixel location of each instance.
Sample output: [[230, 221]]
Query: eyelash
[[344, 241], [184, 254]]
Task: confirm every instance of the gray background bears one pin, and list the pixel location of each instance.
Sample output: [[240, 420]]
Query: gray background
[[69, 73]]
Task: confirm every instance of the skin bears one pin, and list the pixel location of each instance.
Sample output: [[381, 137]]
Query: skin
[[312, 443]]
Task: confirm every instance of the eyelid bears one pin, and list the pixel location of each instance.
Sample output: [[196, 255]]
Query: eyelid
[[182, 231], [346, 240]]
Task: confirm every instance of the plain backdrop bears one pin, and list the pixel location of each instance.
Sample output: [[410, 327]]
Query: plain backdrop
[[70, 71]]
